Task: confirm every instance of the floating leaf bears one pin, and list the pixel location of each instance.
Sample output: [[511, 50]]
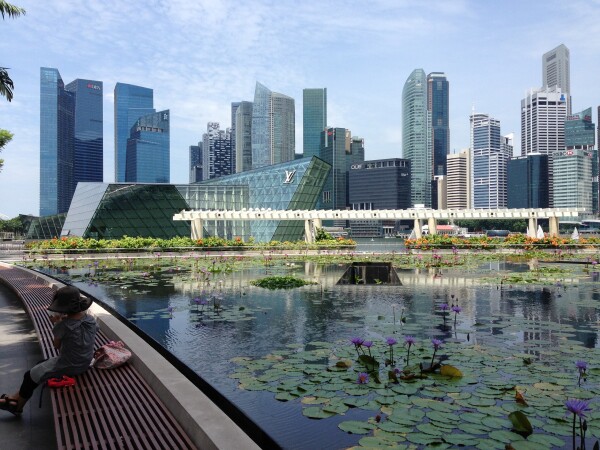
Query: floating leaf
[[520, 423], [356, 427], [519, 398], [450, 371], [344, 364], [314, 412]]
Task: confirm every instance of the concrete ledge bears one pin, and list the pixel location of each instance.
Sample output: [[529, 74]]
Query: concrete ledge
[[204, 422]]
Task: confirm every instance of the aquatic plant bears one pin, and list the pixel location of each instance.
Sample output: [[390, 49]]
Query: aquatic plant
[[391, 342], [363, 378], [578, 408], [581, 368], [409, 341]]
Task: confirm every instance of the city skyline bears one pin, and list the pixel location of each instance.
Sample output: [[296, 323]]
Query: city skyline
[[286, 47]]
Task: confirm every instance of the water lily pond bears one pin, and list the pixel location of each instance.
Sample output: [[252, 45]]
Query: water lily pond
[[496, 348]]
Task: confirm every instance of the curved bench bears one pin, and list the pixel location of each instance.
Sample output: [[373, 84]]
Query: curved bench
[[106, 409]]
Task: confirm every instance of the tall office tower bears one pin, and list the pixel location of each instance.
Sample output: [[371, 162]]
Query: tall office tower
[[528, 181], [243, 137], [217, 154], [543, 114], [556, 71], [573, 177], [438, 107], [273, 128], [379, 184], [148, 149], [314, 119], [490, 160], [234, 108], [131, 103], [57, 110], [458, 180], [196, 163], [71, 143], [88, 148], [416, 136], [337, 147]]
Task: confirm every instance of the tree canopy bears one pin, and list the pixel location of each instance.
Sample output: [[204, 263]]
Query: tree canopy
[[6, 84]]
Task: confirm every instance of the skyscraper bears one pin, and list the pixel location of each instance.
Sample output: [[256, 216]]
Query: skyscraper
[[88, 132], [273, 128], [148, 149], [196, 163], [438, 105], [573, 167], [458, 182], [131, 103], [314, 119], [543, 114], [71, 145], [217, 154], [243, 137], [528, 181], [234, 108], [490, 160], [556, 71], [416, 136]]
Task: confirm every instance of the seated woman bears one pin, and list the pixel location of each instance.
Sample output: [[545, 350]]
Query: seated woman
[[74, 335]]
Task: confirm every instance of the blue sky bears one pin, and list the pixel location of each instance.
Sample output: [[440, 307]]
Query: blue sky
[[201, 55]]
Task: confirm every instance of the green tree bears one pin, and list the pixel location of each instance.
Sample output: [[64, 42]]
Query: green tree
[[6, 84], [5, 137]]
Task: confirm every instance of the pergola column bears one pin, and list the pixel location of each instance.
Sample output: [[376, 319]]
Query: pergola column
[[197, 229], [553, 226], [310, 229], [532, 230], [432, 224], [417, 229]]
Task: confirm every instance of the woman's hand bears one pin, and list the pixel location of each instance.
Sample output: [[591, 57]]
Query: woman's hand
[[55, 318]]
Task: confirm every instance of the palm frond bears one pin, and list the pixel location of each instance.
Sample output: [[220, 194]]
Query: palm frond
[[6, 84], [6, 9]]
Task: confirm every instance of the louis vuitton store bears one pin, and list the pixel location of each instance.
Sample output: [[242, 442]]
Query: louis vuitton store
[[113, 210]]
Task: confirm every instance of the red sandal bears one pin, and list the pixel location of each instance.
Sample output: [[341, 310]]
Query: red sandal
[[61, 382]]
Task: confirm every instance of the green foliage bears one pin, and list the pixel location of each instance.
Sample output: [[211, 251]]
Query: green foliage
[[5, 135], [280, 282], [323, 235], [515, 225]]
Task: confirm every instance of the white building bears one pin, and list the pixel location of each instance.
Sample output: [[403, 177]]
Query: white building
[[556, 71], [458, 180], [573, 179]]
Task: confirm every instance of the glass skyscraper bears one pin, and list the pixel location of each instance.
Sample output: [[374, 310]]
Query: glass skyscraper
[[528, 181], [243, 137], [437, 103], [217, 153], [131, 103], [88, 134], [314, 119], [196, 163], [416, 136], [148, 149], [273, 128], [71, 144]]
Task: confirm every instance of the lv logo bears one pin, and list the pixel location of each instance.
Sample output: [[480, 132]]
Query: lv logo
[[289, 176]]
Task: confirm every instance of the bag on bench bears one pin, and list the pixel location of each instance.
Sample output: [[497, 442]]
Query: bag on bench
[[111, 355]]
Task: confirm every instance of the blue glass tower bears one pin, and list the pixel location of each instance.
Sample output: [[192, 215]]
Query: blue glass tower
[[148, 149], [314, 119], [437, 102], [131, 103], [88, 132]]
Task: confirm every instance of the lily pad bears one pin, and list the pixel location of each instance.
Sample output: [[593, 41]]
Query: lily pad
[[314, 412], [356, 427]]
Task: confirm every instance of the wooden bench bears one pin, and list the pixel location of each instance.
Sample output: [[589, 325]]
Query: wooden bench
[[106, 409]]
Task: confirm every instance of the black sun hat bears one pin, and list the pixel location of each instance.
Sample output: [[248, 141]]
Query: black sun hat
[[68, 300]]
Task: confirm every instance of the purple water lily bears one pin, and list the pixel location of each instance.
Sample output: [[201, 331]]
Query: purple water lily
[[444, 307], [358, 342], [363, 378], [578, 408], [456, 310], [437, 343], [408, 341], [391, 342], [581, 367]]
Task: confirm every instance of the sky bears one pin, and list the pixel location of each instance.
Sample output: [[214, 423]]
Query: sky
[[201, 55]]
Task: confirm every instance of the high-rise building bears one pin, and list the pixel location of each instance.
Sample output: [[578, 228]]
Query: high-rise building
[[416, 136], [234, 108], [217, 154], [556, 71], [314, 119], [131, 103], [543, 114], [71, 142], [438, 105], [458, 180], [196, 163], [378, 184], [148, 149], [243, 137], [88, 150], [273, 128], [340, 150], [490, 160], [528, 181], [574, 180]]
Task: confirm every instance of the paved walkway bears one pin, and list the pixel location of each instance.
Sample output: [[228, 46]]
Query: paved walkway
[[19, 351]]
